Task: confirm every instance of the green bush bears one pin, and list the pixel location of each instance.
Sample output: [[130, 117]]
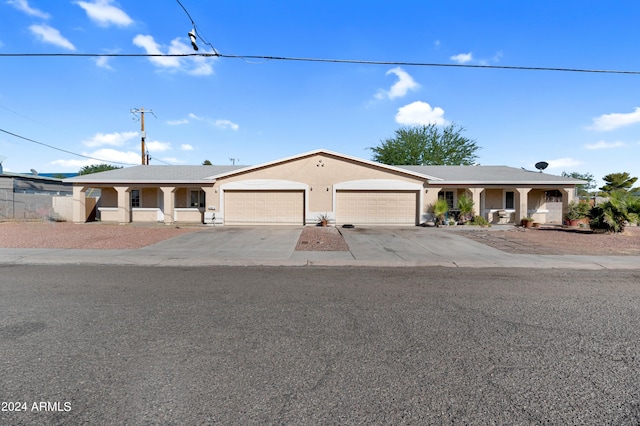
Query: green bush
[[614, 214], [479, 221]]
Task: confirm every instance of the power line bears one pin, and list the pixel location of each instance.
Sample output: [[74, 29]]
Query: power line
[[325, 60], [63, 150]]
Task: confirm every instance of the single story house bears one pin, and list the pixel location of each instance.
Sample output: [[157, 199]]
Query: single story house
[[298, 189]]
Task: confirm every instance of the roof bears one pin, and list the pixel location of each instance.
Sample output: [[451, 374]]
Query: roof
[[154, 174], [490, 175], [331, 154]]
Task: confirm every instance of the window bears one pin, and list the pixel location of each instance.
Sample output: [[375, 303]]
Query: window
[[553, 196], [135, 198], [509, 200], [197, 198], [446, 195]]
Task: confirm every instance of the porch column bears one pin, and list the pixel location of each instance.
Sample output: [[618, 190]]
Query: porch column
[[522, 206], [79, 204], [124, 204], [430, 199], [168, 193], [475, 196]]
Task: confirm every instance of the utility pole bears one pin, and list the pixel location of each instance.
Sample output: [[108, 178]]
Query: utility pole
[[143, 137]]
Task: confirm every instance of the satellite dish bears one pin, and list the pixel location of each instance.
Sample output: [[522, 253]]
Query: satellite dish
[[34, 172], [541, 165]]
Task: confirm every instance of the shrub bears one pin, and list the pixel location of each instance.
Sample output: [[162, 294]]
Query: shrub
[[479, 220], [614, 214]]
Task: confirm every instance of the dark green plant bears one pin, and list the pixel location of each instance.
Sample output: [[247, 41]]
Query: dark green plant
[[465, 205], [613, 215], [577, 210], [97, 168], [479, 220], [440, 209]]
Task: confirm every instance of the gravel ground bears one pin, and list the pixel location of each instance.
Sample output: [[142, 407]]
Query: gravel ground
[[560, 241], [66, 235], [551, 240], [321, 238]]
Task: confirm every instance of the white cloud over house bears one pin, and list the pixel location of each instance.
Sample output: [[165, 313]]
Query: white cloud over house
[[404, 84], [462, 58], [105, 155], [563, 163], [158, 146], [111, 139], [196, 65], [605, 145], [226, 124], [614, 121], [186, 147], [420, 113], [50, 35], [104, 13], [23, 6]]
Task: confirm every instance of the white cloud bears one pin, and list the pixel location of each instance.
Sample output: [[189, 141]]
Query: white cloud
[[103, 13], [103, 62], [173, 160], [100, 156], [177, 122], [401, 87], [23, 6], [563, 163], [605, 145], [420, 113], [616, 120], [113, 139], [50, 35], [195, 117], [158, 146], [195, 65], [462, 58], [226, 124], [186, 147]]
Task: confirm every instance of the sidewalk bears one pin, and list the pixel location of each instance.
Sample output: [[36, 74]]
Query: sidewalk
[[275, 246]]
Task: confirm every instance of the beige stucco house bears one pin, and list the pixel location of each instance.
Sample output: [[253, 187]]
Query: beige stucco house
[[296, 190]]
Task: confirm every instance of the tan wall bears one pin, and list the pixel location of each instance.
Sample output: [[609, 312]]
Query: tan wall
[[181, 198], [149, 197], [144, 215], [190, 215], [493, 199], [63, 207], [320, 172], [108, 197]]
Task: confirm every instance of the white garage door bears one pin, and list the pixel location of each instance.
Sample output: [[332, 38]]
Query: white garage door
[[264, 207], [376, 207]]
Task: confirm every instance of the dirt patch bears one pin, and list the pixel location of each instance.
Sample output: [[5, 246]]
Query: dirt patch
[[65, 235], [560, 241], [320, 238]]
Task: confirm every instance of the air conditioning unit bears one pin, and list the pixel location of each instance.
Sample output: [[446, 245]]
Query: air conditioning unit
[[209, 217]]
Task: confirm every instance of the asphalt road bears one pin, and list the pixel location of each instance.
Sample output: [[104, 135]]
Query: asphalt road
[[233, 345]]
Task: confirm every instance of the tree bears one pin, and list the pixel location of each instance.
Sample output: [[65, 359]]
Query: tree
[[583, 190], [207, 163], [427, 145], [618, 181], [96, 168]]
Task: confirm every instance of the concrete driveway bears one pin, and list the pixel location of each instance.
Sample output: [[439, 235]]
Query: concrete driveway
[[275, 246]]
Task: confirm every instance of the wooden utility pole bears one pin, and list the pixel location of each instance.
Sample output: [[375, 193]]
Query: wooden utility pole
[[143, 146]]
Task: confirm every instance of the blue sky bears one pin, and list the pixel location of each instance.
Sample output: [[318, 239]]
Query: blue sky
[[256, 111]]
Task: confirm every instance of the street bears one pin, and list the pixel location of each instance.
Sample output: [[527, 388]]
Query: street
[[103, 344]]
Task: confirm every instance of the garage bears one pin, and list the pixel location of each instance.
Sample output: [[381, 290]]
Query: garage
[[264, 207], [377, 207]]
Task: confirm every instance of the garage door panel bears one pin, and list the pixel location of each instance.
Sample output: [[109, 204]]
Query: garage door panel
[[376, 207], [264, 207]]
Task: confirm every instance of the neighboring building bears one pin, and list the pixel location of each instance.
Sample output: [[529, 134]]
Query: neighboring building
[[25, 196], [296, 190]]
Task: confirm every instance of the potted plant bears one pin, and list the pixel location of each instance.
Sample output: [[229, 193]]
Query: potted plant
[[323, 219], [576, 211], [527, 222], [465, 205], [440, 209]]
